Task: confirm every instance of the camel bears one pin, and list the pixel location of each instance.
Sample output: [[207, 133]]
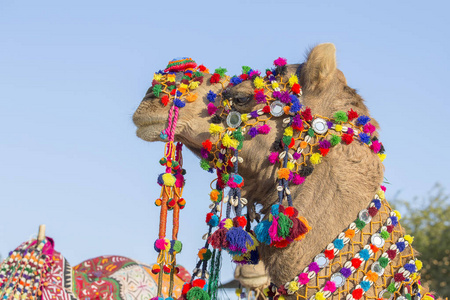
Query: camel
[[330, 199]]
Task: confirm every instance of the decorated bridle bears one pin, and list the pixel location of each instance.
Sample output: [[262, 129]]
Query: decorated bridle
[[306, 139]]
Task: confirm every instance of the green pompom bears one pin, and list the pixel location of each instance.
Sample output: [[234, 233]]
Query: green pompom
[[177, 246], [287, 140], [340, 117], [238, 136], [225, 177], [204, 164], [391, 288], [384, 234], [207, 255], [408, 296], [197, 293], [171, 87], [383, 261], [198, 74], [335, 139], [186, 77], [311, 132], [220, 71], [360, 224], [284, 225], [245, 69], [163, 161], [157, 89]]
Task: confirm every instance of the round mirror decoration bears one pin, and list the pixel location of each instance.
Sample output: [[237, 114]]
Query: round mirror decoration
[[234, 119], [377, 240], [385, 294], [277, 108], [321, 260], [338, 279], [377, 268], [319, 125], [365, 216]]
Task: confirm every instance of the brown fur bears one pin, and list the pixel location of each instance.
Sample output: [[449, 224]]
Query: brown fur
[[330, 199]]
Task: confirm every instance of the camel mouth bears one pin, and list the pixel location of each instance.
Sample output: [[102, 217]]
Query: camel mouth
[[149, 128]]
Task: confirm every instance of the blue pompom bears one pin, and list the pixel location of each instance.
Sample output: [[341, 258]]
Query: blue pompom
[[410, 267], [214, 221], [262, 232], [274, 209], [338, 244], [160, 179], [364, 254], [237, 178], [211, 96], [365, 285], [364, 138], [394, 220], [179, 94], [179, 103], [295, 107], [362, 120], [238, 239], [235, 80], [400, 246], [377, 203]]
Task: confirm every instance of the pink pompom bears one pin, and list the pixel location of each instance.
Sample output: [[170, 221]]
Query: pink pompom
[[383, 188], [273, 157], [160, 244], [211, 109], [330, 286], [280, 62], [303, 278], [376, 146], [298, 179], [369, 128], [264, 129]]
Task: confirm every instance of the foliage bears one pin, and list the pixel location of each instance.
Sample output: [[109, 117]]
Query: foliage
[[428, 220]]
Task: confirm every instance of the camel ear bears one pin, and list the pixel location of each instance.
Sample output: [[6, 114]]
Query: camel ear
[[320, 67]]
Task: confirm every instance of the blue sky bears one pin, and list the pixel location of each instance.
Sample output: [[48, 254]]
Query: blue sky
[[72, 74]]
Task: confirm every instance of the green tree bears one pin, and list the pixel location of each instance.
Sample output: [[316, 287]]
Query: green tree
[[428, 220]]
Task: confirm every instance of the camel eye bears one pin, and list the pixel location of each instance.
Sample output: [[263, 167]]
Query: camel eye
[[242, 100]]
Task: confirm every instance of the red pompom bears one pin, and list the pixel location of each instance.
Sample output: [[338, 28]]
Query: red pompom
[[329, 254], [390, 228], [268, 73], [165, 100], [202, 68], [306, 114], [352, 114], [356, 262], [373, 211], [358, 293], [172, 92], [199, 282], [166, 269], [281, 244], [399, 277], [289, 211], [243, 76], [347, 138], [391, 253], [374, 248], [266, 109], [207, 145], [240, 221], [208, 217], [215, 78], [299, 128], [186, 287], [296, 88], [324, 152]]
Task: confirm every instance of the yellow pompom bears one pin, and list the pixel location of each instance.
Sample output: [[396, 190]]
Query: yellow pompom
[[215, 129], [413, 276], [426, 297], [274, 85], [382, 156], [418, 264], [290, 165], [219, 165], [289, 131], [167, 244], [397, 213], [194, 84], [319, 296], [380, 194], [171, 78], [183, 86], [228, 142], [270, 218], [238, 292], [157, 77], [409, 239], [281, 297], [244, 117], [338, 127], [169, 179], [266, 291], [316, 158], [258, 82], [293, 286], [228, 223], [293, 80]]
